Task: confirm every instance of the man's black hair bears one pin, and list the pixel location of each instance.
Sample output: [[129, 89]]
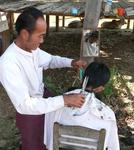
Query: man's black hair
[[98, 73], [27, 19]]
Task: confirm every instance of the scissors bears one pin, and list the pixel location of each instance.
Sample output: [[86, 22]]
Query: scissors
[[84, 85]]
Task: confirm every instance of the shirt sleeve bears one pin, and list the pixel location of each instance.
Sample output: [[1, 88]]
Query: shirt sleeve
[[17, 91], [47, 60]]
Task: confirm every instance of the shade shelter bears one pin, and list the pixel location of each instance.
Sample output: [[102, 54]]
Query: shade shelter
[[54, 7]]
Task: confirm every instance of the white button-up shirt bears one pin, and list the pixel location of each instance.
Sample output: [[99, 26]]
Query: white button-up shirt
[[21, 75]]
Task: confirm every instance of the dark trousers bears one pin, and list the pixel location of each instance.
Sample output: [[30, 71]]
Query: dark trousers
[[31, 129]]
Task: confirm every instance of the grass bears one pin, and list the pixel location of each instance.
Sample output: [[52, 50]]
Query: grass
[[110, 86], [8, 134], [56, 89]]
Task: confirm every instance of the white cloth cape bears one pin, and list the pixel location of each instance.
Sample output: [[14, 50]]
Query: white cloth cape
[[97, 116]]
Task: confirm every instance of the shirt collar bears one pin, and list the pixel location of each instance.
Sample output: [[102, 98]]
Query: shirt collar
[[23, 52]]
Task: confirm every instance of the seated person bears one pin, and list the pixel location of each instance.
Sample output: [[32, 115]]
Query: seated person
[[93, 114]]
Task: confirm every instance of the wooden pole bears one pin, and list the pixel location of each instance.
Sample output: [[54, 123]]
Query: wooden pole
[[63, 21], [57, 23], [133, 26], [10, 18], [91, 20], [92, 14], [128, 23], [48, 25]]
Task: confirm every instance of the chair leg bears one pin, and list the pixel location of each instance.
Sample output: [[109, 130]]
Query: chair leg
[[56, 136]]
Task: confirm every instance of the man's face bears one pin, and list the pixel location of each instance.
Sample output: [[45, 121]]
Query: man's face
[[35, 38]]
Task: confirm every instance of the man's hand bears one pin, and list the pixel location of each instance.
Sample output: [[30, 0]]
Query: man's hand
[[73, 100], [78, 64]]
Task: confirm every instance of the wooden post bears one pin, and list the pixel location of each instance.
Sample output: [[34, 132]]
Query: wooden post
[[133, 26], [48, 25], [101, 139], [63, 21], [92, 14], [91, 20], [56, 136], [128, 23], [10, 18], [57, 23]]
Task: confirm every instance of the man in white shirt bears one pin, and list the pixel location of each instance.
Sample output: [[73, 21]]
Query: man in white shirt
[[93, 114], [21, 69]]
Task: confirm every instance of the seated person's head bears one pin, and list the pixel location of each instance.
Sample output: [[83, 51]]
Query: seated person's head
[[99, 75]]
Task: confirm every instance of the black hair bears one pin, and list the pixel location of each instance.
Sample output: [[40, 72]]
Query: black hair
[[27, 19], [98, 73]]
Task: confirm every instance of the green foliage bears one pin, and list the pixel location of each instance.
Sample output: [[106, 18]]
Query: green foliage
[[9, 138], [110, 89], [56, 89]]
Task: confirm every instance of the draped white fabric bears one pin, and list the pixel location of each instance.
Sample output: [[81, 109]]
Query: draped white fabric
[[93, 117]]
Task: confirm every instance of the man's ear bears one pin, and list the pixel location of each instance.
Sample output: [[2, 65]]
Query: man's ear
[[24, 34], [98, 89]]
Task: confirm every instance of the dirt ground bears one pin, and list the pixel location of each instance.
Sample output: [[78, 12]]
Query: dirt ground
[[117, 50]]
